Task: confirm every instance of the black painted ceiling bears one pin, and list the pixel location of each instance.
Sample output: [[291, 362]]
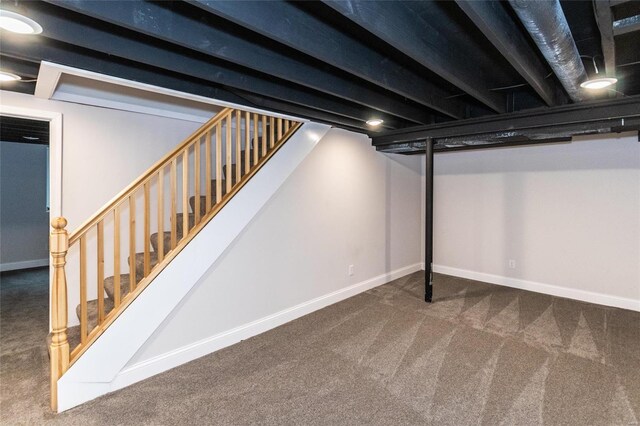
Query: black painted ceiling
[[409, 63], [20, 130]]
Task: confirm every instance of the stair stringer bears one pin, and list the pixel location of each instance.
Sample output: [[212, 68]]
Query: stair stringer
[[94, 373]]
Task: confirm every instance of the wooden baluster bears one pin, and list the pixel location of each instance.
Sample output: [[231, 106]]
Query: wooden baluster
[[83, 289], [100, 272], [185, 193], [228, 174], [207, 175], [272, 132], [238, 145], [247, 142], [173, 182], [147, 230], [255, 139], [286, 125], [116, 256], [132, 243], [59, 347], [279, 128], [264, 135], [218, 162], [160, 215], [196, 179]]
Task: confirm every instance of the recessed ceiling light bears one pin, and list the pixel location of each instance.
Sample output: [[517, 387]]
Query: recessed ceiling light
[[7, 76], [31, 138], [375, 122], [599, 83], [17, 23]]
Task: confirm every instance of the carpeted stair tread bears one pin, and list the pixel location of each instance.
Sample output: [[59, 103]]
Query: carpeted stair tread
[[92, 312], [139, 259], [242, 165], [192, 199], [109, 286], [214, 185], [167, 241], [203, 203], [179, 219]]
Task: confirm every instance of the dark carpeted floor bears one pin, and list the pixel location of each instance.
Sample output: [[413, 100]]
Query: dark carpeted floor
[[481, 354]]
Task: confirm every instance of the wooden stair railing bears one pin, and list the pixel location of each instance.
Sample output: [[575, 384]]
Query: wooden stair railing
[[222, 155]]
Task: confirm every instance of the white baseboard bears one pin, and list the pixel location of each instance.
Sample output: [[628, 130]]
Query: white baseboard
[[167, 361], [553, 290], [12, 266]]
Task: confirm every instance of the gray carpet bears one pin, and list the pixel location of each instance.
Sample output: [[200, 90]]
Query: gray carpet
[[481, 354]]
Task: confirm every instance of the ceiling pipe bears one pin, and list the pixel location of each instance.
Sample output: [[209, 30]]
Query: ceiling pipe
[[547, 25]]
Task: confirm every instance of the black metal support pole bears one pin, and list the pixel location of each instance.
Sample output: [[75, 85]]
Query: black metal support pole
[[428, 224]]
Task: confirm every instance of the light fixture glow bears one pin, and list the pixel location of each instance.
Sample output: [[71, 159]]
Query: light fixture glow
[[598, 83], [17, 23], [31, 138], [7, 76], [375, 122]]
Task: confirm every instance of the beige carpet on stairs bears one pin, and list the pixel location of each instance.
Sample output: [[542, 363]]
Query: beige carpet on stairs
[[481, 354]]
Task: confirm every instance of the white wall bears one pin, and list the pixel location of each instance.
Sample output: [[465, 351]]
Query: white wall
[[568, 214], [345, 204], [24, 220]]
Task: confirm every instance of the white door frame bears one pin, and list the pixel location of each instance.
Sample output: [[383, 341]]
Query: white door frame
[[55, 158]]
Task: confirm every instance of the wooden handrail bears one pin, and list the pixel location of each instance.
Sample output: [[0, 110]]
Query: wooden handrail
[[122, 196], [133, 216]]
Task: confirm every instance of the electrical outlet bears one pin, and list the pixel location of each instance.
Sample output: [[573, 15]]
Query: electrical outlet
[[350, 270], [512, 264]]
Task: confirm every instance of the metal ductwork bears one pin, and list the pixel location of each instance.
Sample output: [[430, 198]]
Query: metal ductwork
[[547, 25]]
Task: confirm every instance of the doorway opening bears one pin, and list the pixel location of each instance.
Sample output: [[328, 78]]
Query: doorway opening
[[24, 193]]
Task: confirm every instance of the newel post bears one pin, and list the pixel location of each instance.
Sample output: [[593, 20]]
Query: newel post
[[59, 349]]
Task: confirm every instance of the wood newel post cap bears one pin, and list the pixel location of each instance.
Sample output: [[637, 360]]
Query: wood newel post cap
[[58, 223]]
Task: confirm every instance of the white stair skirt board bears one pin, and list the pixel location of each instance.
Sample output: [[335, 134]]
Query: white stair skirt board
[[553, 290], [12, 266], [164, 362], [93, 374]]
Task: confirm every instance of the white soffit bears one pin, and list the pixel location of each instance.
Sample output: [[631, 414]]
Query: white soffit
[[63, 83]]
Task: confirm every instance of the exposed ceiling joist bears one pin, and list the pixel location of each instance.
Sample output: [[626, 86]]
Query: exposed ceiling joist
[[315, 37], [340, 62], [47, 50], [71, 56], [615, 115], [20, 130], [401, 27], [19, 67], [626, 25], [496, 24], [619, 2], [319, 116], [96, 37], [158, 20], [604, 18]]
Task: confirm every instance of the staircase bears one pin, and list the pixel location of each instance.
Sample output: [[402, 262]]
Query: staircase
[[139, 258], [175, 199]]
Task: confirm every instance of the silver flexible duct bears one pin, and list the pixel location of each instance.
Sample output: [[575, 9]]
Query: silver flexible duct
[[547, 25]]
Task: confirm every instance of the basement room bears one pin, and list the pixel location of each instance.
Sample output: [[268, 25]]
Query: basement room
[[330, 212]]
